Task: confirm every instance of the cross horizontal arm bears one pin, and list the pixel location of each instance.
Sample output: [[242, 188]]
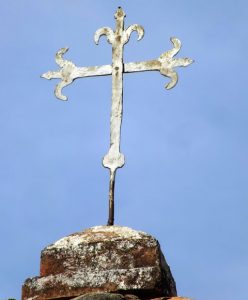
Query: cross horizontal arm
[[165, 64], [142, 66], [78, 72]]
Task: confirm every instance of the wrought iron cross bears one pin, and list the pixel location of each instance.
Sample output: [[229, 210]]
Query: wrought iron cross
[[114, 159]]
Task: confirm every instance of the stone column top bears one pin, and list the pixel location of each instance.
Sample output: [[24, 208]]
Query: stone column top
[[98, 234]]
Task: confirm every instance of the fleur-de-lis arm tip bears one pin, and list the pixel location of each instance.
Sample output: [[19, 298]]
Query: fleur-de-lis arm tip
[[168, 63], [173, 80], [135, 27], [189, 61], [45, 76], [104, 31], [60, 61], [59, 56], [58, 91], [176, 42], [65, 73]]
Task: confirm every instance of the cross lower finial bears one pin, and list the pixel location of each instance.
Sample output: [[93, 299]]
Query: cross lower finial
[[166, 64]]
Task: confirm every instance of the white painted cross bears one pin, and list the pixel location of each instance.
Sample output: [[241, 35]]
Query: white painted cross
[[114, 159]]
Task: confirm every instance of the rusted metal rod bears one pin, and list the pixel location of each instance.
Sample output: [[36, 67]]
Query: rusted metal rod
[[111, 199]]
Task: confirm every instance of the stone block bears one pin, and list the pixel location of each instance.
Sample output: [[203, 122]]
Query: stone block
[[101, 259]]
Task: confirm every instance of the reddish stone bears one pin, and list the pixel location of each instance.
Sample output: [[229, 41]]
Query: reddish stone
[[102, 259]]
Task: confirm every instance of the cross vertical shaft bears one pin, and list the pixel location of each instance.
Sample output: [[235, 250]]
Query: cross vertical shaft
[[114, 159], [116, 110]]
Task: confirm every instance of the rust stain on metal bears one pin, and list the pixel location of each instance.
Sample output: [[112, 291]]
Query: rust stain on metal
[[165, 64]]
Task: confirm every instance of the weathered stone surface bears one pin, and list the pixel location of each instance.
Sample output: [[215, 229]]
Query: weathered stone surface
[[102, 259]]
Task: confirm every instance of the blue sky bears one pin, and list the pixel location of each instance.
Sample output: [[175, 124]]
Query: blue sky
[[185, 178]]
